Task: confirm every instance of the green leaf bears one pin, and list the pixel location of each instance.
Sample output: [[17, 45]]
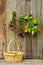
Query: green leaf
[[32, 32], [14, 13], [31, 17], [21, 17], [29, 30], [35, 27], [35, 21], [32, 28], [15, 53], [25, 17], [28, 24]]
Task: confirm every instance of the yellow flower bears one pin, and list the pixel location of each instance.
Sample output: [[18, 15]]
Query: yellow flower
[[25, 28]]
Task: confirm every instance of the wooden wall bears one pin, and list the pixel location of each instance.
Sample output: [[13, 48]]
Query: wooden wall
[[31, 45], [2, 27]]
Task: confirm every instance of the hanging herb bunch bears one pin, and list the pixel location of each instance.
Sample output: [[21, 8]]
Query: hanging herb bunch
[[32, 26], [26, 24], [13, 21]]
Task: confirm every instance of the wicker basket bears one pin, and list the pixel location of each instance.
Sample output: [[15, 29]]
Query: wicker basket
[[10, 57]]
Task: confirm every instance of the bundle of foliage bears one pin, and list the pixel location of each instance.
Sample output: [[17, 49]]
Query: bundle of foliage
[[26, 24], [31, 26], [13, 21]]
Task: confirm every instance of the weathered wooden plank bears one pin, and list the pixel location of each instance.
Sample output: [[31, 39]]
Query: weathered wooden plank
[[42, 30], [22, 46], [28, 46], [3, 6], [34, 38], [34, 47], [2, 27], [0, 6], [42, 11], [20, 7], [27, 7], [11, 6], [33, 8], [39, 17], [28, 37]]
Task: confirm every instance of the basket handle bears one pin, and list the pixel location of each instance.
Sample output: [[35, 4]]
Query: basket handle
[[9, 44], [17, 45]]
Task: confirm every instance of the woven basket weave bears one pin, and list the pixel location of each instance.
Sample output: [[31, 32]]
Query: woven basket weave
[[9, 56]]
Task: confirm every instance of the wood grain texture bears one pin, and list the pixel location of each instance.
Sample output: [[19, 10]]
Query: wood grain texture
[[27, 7], [11, 6], [28, 46], [20, 7], [39, 39], [2, 27], [32, 46], [42, 30], [34, 38]]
